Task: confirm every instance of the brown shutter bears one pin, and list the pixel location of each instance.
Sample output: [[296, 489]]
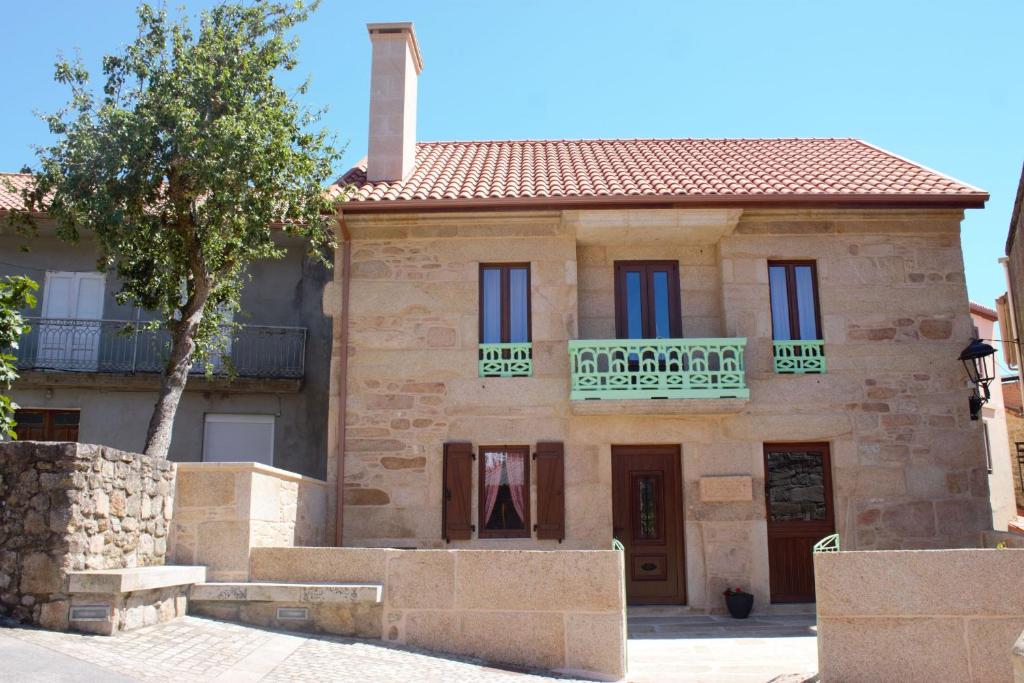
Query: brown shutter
[[456, 512], [550, 459]]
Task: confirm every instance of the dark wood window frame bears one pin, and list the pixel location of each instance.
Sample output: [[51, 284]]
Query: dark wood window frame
[[482, 530], [791, 296], [675, 320], [49, 426], [506, 319]]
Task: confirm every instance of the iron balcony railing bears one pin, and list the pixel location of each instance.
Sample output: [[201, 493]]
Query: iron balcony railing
[[505, 360], [122, 346], [657, 368]]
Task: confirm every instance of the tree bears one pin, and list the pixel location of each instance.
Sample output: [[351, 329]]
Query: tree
[[16, 293], [182, 168]]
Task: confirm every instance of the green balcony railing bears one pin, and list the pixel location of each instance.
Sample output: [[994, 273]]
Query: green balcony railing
[[506, 360], [657, 368], [801, 356]]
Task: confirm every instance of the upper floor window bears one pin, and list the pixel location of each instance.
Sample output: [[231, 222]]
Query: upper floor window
[[794, 297], [505, 303], [647, 300]]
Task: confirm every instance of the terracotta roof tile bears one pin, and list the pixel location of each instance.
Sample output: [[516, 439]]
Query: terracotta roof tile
[[11, 185], [667, 170]]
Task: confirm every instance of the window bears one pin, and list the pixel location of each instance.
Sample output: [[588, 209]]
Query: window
[[36, 424], [505, 327], [794, 297], [238, 438], [69, 335], [504, 492], [647, 300]]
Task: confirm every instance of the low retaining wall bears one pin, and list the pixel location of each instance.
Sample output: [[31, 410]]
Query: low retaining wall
[[992, 539], [919, 615], [69, 507], [562, 610], [225, 509]]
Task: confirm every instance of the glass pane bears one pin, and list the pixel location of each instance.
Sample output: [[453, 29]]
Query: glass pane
[[634, 303], [805, 303], [661, 305], [65, 418], [504, 490], [796, 487], [490, 307], [648, 512], [517, 305], [780, 303], [28, 417]]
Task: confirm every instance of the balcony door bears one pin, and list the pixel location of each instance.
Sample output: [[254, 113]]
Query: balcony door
[[69, 335], [647, 300]]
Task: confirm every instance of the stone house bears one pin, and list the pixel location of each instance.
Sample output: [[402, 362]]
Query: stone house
[[1015, 435], [84, 377], [716, 352]]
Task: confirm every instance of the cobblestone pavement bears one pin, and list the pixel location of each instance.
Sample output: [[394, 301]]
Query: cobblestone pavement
[[196, 649], [682, 648]]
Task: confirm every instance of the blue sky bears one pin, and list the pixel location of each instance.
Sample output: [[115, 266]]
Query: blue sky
[[937, 81]]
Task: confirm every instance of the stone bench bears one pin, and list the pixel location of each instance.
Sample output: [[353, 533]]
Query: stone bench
[[346, 609], [108, 601]]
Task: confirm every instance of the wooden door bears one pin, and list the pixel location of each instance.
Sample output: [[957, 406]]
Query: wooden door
[[798, 496], [648, 521]]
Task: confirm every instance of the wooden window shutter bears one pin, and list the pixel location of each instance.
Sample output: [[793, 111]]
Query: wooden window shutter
[[550, 457], [456, 512]]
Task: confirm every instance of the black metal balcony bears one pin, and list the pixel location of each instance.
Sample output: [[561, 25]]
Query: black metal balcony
[[126, 347]]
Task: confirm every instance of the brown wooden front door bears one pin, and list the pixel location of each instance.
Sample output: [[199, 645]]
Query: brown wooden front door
[[647, 519], [798, 495]]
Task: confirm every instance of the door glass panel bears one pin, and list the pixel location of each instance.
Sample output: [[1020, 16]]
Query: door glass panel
[[634, 306], [661, 305], [780, 303], [491, 308], [517, 295], [796, 487], [805, 303], [647, 513]]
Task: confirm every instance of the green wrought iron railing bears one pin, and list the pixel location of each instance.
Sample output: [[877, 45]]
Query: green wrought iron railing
[[802, 356], [506, 360], [657, 368], [617, 545], [829, 544]]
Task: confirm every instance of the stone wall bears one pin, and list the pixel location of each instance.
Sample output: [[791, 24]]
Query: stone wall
[[559, 610], [225, 509], [931, 615], [68, 507]]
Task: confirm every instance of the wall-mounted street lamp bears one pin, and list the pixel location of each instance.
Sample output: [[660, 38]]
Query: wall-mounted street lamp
[[975, 359]]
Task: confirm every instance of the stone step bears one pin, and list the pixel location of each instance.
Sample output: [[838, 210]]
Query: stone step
[[313, 593]]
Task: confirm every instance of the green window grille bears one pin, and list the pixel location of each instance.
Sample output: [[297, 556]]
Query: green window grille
[[657, 368], [800, 356], [506, 360]]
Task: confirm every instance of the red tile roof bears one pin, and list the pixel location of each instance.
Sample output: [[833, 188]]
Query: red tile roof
[[680, 171], [11, 185], [984, 311]]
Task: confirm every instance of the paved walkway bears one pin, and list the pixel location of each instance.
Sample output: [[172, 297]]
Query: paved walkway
[[682, 648]]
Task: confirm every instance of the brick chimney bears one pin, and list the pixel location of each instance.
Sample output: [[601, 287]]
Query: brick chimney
[[393, 73]]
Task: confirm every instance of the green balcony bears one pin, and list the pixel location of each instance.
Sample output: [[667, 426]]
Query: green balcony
[[657, 369], [506, 360], [799, 357]]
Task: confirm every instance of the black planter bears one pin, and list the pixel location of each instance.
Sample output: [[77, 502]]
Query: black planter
[[739, 605]]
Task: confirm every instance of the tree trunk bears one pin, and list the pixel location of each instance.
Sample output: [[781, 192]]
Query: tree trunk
[[172, 381]]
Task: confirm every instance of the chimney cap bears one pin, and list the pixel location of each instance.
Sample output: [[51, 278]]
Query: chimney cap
[[400, 27]]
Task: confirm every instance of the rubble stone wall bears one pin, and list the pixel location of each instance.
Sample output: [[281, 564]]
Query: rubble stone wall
[[70, 507]]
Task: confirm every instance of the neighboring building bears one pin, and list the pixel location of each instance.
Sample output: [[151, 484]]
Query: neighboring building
[[994, 423], [1015, 430], [84, 379], [716, 351]]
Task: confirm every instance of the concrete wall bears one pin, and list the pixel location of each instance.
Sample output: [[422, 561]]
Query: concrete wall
[[908, 464], [936, 615], [561, 610], [226, 509], [284, 292]]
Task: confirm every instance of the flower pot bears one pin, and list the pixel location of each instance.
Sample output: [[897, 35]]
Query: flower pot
[[739, 605]]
